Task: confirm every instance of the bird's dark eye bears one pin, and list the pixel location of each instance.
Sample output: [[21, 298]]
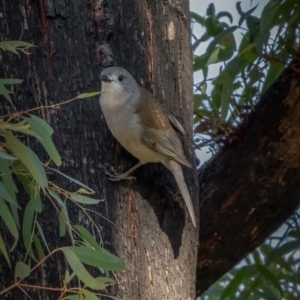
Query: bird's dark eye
[[120, 77]]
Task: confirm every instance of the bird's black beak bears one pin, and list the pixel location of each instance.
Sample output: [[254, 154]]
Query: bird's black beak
[[105, 78]]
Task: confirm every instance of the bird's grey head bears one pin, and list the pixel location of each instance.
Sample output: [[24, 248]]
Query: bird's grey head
[[116, 80]]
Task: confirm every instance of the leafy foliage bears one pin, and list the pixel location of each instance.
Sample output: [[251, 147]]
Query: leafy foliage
[[19, 162], [270, 272], [247, 68]]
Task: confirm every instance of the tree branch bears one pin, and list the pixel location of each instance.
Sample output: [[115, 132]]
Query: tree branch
[[250, 188]]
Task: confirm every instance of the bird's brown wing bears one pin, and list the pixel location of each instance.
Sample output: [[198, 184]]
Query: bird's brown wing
[[158, 133]]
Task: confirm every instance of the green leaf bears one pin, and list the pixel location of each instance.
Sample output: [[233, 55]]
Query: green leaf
[[198, 99], [89, 295], [11, 81], [295, 234], [257, 258], [42, 130], [226, 97], [99, 257], [8, 219], [20, 127], [266, 19], [62, 224], [284, 249], [71, 179], [5, 93], [81, 271], [5, 155], [38, 247], [33, 206], [4, 251], [87, 95], [68, 277], [42, 235], [253, 25], [220, 37], [223, 14], [6, 195], [232, 287], [199, 19], [28, 158], [22, 270], [274, 71], [244, 15], [64, 217], [84, 199], [18, 44], [87, 236], [42, 123], [270, 277]]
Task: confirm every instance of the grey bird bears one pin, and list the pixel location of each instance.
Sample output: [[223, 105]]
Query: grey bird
[[143, 127]]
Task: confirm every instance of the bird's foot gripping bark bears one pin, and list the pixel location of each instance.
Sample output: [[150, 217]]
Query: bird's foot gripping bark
[[118, 177]]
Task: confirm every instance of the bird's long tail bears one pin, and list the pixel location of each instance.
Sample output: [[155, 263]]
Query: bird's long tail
[[175, 168]]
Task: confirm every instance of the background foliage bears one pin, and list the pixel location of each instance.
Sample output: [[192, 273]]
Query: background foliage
[[251, 55], [247, 69], [21, 167]]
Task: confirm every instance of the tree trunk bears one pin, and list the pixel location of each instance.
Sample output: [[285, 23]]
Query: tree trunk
[[74, 41], [250, 188]]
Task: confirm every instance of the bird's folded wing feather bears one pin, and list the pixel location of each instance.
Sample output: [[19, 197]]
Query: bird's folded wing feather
[[158, 133]]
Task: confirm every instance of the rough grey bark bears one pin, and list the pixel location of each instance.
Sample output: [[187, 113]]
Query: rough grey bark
[[251, 187], [75, 40]]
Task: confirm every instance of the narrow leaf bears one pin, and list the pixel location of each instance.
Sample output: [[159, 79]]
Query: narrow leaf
[[5, 93], [11, 81], [45, 139], [28, 158], [43, 123], [87, 95], [84, 199], [268, 275], [4, 251], [6, 195], [38, 247], [8, 219], [7, 156], [274, 71], [81, 271], [232, 287], [86, 235], [34, 205], [89, 295], [42, 235], [99, 257], [71, 179]]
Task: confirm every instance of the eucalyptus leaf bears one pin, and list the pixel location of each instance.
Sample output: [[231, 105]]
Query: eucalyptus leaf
[[84, 199], [11, 81], [43, 130], [8, 219], [4, 251], [88, 95], [28, 158], [71, 179], [81, 272], [22, 270], [87, 236], [99, 257]]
